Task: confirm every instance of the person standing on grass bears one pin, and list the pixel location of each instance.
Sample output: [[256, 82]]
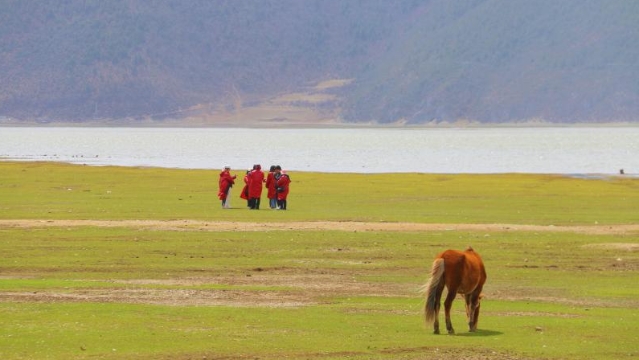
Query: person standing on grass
[[270, 186], [225, 184], [255, 181], [245, 193], [283, 184]]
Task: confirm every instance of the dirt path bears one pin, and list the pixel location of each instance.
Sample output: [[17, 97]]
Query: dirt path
[[197, 225]]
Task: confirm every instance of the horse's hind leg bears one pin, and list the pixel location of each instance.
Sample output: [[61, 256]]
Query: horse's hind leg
[[438, 299], [447, 305], [436, 323]]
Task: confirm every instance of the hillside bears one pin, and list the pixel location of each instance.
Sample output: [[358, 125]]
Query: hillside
[[498, 61], [319, 60]]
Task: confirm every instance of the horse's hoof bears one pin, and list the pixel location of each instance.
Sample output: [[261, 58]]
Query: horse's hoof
[[451, 332], [436, 332]]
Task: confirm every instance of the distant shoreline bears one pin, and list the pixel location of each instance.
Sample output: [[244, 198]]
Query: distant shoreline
[[310, 125]]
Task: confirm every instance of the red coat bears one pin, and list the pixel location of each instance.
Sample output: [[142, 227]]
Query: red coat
[[282, 186], [255, 181], [244, 194], [270, 185], [225, 183]]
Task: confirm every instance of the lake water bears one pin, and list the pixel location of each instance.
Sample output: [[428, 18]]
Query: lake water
[[556, 150]]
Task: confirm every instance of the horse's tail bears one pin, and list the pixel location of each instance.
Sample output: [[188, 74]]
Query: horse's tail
[[431, 288]]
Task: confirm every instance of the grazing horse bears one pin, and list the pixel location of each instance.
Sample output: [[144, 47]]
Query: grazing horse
[[461, 272]]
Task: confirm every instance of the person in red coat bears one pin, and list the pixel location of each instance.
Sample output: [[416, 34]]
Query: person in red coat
[[271, 187], [225, 184], [245, 194], [255, 181], [283, 184]]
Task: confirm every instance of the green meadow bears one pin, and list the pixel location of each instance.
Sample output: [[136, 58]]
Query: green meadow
[[77, 291]]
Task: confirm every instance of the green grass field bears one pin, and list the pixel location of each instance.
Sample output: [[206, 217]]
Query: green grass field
[[71, 291]]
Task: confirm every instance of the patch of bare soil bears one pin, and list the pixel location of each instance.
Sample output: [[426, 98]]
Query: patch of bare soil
[[284, 291], [182, 297], [195, 225], [291, 290], [534, 314], [449, 353], [615, 246], [412, 353]]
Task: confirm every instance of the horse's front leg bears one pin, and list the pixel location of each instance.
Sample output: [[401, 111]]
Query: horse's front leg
[[467, 299], [473, 327], [447, 305], [472, 310]]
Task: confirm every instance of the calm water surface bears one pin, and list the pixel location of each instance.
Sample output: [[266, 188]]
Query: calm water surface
[[597, 150]]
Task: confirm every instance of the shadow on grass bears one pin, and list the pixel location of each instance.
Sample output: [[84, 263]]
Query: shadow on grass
[[480, 332]]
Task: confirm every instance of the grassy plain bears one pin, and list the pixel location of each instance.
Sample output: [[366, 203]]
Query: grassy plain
[[124, 292]]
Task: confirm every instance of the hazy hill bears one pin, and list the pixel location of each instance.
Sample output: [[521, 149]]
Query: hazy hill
[[355, 60], [505, 60]]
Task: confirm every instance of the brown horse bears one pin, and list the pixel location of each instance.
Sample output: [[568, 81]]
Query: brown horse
[[461, 272]]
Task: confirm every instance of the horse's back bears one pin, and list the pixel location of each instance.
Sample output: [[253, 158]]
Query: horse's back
[[451, 257], [464, 270], [476, 272]]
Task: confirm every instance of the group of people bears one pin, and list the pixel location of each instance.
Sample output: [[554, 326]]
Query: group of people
[[277, 183]]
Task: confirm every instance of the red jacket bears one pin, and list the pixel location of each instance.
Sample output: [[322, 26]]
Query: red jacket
[[282, 186], [255, 181], [225, 183], [244, 194], [271, 185]]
